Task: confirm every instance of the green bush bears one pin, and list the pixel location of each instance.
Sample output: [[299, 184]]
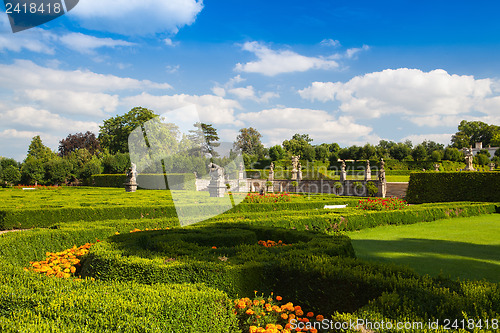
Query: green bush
[[454, 186], [180, 181], [236, 265]]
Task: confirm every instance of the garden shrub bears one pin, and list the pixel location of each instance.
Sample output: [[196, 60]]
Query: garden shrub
[[225, 256], [180, 181], [453, 186]]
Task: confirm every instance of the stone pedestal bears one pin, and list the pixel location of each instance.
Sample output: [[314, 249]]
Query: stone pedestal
[[130, 187], [217, 188], [294, 174]]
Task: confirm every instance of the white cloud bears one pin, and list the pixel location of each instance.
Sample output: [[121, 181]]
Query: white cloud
[[43, 120], [330, 42], [351, 53], [212, 109], [426, 98], [72, 102], [170, 42], [87, 44], [219, 91], [419, 138], [137, 17], [279, 124], [249, 92], [172, 69], [25, 75], [272, 62], [34, 40]]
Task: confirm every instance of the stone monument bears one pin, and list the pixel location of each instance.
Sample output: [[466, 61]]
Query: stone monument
[[469, 158], [131, 183], [492, 166], [343, 174], [217, 187], [271, 173], [241, 172], [436, 167], [299, 172], [382, 179], [368, 172], [295, 163]]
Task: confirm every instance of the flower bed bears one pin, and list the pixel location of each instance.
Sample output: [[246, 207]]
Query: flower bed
[[382, 204]]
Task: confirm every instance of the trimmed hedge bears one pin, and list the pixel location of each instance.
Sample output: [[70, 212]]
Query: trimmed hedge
[[186, 255], [453, 186], [351, 219], [178, 181], [325, 280], [47, 217]]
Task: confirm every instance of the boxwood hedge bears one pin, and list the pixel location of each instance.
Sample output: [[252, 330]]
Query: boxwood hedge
[[178, 181], [453, 186]]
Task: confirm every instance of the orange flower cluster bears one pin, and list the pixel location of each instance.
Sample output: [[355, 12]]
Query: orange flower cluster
[[61, 264], [264, 316], [270, 243]]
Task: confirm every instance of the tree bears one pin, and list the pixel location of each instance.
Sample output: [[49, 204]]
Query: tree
[[32, 171], [300, 144], [249, 142], [205, 137], [368, 152], [436, 156], [116, 164], [322, 152], [276, 153], [453, 154], [92, 167], [114, 133], [77, 141], [37, 150], [58, 170], [419, 153], [400, 151], [470, 132], [11, 175]]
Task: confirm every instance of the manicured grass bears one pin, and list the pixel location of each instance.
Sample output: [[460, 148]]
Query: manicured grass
[[398, 179], [464, 248]]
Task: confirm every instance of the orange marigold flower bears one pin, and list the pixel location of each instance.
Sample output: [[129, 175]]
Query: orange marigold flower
[[299, 312], [284, 316], [249, 312], [320, 318], [279, 298], [310, 314]]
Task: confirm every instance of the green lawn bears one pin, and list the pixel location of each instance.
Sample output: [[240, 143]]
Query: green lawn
[[464, 248]]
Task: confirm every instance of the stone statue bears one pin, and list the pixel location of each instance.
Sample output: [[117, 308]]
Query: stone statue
[[131, 183], [381, 173], [436, 167], [271, 172], [295, 163], [492, 166], [217, 187], [299, 175], [469, 159], [343, 174], [368, 171], [216, 172]]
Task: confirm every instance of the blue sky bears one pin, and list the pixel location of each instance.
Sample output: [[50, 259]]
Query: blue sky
[[341, 71]]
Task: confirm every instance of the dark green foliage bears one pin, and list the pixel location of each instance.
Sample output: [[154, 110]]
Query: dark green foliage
[[32, 171], [454, 186], [114, 164], [114, 133], [181, 181], [186, 256], [58, 170], [74, 142], [10, 175]]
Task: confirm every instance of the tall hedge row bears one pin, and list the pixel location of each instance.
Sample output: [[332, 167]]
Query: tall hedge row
[[453, 186], [177, 181]]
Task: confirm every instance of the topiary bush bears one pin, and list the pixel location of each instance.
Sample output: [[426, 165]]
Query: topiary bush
[[453, 186]]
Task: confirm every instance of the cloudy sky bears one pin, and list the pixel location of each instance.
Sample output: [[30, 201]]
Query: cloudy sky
[[341, 71]]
